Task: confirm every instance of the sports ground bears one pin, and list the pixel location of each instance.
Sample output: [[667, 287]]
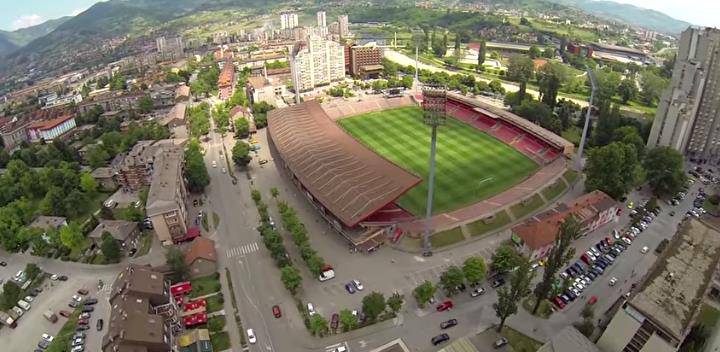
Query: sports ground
[[471, 165]]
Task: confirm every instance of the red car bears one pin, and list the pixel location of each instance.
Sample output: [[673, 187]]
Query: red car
[[444, 306], [276, 311], [83, 322], [334, 321], [558, 302], [82, 291], [592, 300], [64, 313]]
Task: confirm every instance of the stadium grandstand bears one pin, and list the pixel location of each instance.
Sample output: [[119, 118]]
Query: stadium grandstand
[[356, 190]]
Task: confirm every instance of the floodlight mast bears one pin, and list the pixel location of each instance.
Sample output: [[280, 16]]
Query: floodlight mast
[[593, 83], [434, 106]]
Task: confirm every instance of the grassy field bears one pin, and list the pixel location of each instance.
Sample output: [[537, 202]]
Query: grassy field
[[479, 227], [471, 165], [520, 209], [447, 237]]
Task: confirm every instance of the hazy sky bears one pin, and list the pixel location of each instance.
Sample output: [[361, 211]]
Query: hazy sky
[[16, 14]]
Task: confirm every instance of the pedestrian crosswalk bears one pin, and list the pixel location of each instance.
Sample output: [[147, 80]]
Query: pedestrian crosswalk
[[242, 250]]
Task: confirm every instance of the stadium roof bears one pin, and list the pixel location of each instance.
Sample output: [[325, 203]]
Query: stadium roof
[[347, 178]]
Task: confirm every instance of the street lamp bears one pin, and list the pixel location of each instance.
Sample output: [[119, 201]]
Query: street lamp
[[434, 115], [593, 83]]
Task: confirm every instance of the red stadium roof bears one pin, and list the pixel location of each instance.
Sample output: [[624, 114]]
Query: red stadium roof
[[348, 179]]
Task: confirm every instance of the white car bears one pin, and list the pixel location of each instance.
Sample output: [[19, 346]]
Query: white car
[[214, 163], [224, 170], [77, 298], [54, 277], [644, 250], [251, 336], [612, 281], [341, 349], [80, 348], [28, 299], [311, 309], [47, 337], [358, 285], [78, 342]]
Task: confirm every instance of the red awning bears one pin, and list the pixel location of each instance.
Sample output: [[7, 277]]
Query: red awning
[[181, 288]]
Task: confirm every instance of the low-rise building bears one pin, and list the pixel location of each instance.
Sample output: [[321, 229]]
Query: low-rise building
[[113, 101], [182, 93], [105, 178], [660, 315], [175, 117], [263, 89], [196, 340], [201, 257], [49, 130], [536, 236], [136, 167], [48, 222], [124, 232], [143, 313], [226, 80], [569, 339]]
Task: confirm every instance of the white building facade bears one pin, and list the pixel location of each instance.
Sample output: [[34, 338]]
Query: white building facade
[[320, 62]]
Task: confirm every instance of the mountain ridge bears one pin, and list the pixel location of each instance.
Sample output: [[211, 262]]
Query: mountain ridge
[[14, 40]]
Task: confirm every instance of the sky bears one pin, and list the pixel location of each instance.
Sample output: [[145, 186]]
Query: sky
[[15, 14]]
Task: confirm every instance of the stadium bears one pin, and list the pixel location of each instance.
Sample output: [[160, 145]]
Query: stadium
[[362, 164]]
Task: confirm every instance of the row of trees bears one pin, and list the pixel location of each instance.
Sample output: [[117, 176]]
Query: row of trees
[[195, 170], [207, 77], [473, 272], [198, 119], [12, 293], [291, 222]]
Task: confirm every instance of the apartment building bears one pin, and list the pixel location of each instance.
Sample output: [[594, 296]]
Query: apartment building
[[49, 130], [687, 117], [135, 168], [321, 19], [166, 199], [343, 26], [660, 315], [112, 102], [170, 45], [288, 20], [317, 62], [365, 61], [226, 80], [143, 313]]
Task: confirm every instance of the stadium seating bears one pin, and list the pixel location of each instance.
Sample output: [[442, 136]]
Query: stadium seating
[[505, 133]]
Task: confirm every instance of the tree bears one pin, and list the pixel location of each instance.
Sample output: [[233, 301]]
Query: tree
[[664, 171], [242, 127], [175, 259], [88, 183], [110, 247], [256, 196], [586, 327], [451, 279], [534, 52], [630, 135], [315, 264], [71, 236], [474, 269], [587, 312], [274, 192], [607, 82], [32, 271], [612, 169], [373, 304], [291, 278], [145, 104], [627, 90], [395, 302], [550, 78], [482, 51], [348, 321], [241, 154], [96, 156], [548, 53], [54, 202], [10, 295], [504, 259], [318, 325], [560, 254], [520, 69], [519, 288], [423, 293], [195, 169], [651, 86]]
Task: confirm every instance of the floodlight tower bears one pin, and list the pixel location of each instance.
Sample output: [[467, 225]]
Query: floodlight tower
[[434, 115], [593, 83]]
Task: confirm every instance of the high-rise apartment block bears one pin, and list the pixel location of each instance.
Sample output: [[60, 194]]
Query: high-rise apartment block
[[321, 20], [169, 45], [344, 26], [688, 115], [318, 62], [288, 20]]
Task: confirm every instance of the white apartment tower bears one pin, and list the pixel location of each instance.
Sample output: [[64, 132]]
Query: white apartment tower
[[344, 25], [688, 115], [321, 20], [169, 45], [318, 63], [288, 20]]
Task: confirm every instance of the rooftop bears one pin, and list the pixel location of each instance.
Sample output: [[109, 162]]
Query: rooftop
[[346, 177], [118, 229], [52, 123], [140, 281], [542, 229], [203, 248], [257, 82], [167, 173], [103, 172], [675, 285], [176, 113], [48, 222]]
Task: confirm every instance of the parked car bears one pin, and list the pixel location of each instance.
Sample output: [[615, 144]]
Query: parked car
[[84, 316], [334, 321], [311, 309], [99, 324], [448, 324], [444, 306], [47, 337], [440, 339], [612, 281], [82, 291], [499, 281], [477, 292], [500, 342], [350, 288], [251, 336], [90, 301], [558, 302], [88, 309], [357, 285], [81, 328], [64, 313], [276, 311]]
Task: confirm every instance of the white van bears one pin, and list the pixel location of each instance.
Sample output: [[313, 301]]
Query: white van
[[24, 305], [18, 311], [327, 275]]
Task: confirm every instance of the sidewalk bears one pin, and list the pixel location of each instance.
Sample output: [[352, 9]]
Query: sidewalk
[[231, 325]]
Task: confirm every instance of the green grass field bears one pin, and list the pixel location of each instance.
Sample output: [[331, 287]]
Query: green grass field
[[471, 165]]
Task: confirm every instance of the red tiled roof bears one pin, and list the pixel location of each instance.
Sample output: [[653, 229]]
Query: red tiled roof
[[542, 229], [201, 247], [50, 124], [227, 75]]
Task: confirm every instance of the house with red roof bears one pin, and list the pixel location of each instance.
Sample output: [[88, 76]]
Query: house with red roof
[[201, 257], [50, 129]]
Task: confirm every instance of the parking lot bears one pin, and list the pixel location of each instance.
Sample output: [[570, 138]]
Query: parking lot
[[55, 296]]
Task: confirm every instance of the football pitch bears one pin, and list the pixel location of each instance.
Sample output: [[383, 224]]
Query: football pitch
[[470, 165]]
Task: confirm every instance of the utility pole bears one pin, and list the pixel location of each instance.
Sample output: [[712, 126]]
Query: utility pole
[[434, 115], [593, 83], [417, 81]]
